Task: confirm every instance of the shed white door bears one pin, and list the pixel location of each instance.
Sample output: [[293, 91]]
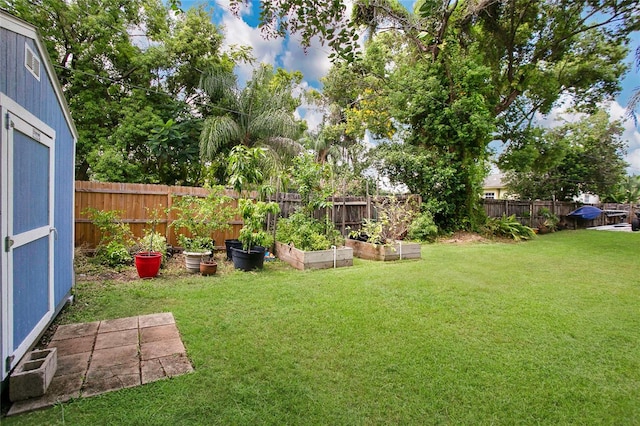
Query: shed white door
[[27, 230]]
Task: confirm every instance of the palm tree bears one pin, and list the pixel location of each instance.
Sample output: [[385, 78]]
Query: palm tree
[[259, 115], [628, 191], [322, 145], [634, 102]]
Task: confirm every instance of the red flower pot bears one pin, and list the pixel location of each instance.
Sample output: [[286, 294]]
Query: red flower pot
[[148, 263]]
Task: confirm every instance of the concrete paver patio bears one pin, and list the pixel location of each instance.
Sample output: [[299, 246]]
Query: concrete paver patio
[[104, 356]]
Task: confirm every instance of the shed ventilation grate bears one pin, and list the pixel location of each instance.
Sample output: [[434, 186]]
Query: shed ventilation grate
[[32, 62]]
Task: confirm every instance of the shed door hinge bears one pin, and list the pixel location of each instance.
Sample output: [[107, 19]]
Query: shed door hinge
[[6, 121], [8, 362], [8, 242]]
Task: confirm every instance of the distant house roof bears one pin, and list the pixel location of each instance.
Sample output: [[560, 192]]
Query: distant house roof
[[494, 181]]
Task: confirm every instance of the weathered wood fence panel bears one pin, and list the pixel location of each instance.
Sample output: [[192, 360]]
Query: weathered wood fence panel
[[528, 212], [137, 202]]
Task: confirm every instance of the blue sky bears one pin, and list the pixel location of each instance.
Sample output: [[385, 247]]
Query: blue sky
[[314, 63]]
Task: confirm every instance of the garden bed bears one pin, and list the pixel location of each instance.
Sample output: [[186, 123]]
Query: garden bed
[[395, 251], [320, 259]]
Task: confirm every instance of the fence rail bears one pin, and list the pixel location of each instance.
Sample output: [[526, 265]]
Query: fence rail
[[136, 202]]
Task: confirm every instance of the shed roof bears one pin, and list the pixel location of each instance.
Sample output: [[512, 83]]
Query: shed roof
[[22, 27]]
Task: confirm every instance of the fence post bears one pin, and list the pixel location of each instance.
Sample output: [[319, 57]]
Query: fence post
[[344, 214], [368, 202], [168, 213], [333, 209]]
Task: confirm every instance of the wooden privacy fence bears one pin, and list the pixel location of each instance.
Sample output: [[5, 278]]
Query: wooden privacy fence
[[137, 202], [528, 212]]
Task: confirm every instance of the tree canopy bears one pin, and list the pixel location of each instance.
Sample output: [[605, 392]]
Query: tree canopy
[[257, 115], [130, 73], [155, 100], [453, 76], [560, 163]]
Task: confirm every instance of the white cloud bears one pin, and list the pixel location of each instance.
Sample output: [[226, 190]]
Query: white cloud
[[238, 32], [314, 63], [287, 53], [630, 135]]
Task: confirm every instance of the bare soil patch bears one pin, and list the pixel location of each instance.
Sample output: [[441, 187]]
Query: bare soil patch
[[463, 238]]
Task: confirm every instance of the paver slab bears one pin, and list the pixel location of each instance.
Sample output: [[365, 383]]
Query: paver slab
[[176, 365], [114, 356], [70, 331], [74, 345], [151, 370], [99, 357], [161, 332], [161, 348], [156, 319], [119, 324], [116, 338], [74, 364]]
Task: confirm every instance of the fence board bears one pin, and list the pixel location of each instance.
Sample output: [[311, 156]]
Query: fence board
[[528, 212]]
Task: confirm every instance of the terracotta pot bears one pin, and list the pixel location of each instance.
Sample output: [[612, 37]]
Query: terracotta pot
[[208, 268]]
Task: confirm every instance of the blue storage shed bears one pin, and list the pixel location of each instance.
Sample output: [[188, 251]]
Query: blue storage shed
[[37, 158]]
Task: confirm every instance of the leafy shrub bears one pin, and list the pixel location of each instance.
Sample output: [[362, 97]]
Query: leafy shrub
[[197, 218], [509, 227], [549, 220], [371, 231], [116, 238], [394, 218], [153, 241], [254, 215], [423, 228], [113, 254], [306, 233]]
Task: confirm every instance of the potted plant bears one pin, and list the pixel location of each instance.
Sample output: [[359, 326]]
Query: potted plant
[[149, 259], [253, 236], [208, 266], [247, 169], [196, 220]]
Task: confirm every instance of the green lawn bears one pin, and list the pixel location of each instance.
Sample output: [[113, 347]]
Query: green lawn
[[542, 332]]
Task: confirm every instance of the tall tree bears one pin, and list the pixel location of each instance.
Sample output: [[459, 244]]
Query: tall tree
[[257, 115], [581, 157], [127, 69], [470, 72]]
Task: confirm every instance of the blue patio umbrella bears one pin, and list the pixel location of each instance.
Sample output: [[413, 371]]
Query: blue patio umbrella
[[586, 213]]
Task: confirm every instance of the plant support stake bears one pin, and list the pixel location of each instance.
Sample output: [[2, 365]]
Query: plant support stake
[[335, 249]]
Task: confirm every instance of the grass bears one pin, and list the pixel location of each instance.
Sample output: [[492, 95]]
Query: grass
[[542, 332]]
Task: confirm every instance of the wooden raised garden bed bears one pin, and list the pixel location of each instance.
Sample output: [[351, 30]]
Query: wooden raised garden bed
[[321, 259], [396, 251]]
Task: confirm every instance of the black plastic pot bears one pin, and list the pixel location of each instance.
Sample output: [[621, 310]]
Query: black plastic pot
[[229, 244], [248, 261]]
